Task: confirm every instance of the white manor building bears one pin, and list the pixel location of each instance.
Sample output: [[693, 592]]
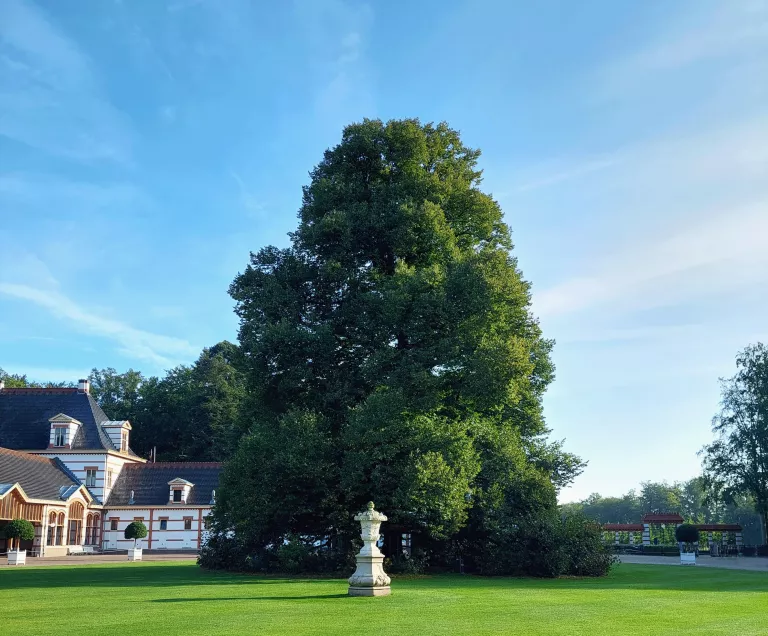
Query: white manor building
[[69, 469]]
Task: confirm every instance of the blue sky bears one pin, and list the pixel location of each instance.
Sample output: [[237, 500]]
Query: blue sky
[[147, 146]]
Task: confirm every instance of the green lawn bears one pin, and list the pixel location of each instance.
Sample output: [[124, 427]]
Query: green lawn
[[179, 598]]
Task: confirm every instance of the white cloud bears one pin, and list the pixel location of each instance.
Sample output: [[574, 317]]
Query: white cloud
[[725, 252], [143, 345], [702, 32], [50, 97]]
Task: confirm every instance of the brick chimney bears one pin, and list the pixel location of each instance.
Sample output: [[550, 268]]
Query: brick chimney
[[83, 386]]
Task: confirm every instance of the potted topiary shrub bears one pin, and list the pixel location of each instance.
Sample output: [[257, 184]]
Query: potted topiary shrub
[[136, 530], [18, 530], [687, 536]]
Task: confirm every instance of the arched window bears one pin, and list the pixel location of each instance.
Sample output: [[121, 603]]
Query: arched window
[[88, 529], [96, 529], [60, 529], [76, 513], [92, 529], [52, 528]]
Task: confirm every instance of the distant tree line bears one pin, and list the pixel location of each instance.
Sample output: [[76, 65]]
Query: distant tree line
[[693, 499]]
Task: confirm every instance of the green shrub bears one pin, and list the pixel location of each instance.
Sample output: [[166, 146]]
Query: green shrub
[[586, 553], [547, 546], [19, 529], [136, 530]]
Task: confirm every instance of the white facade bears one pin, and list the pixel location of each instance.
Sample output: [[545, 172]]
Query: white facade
[[170, 528]]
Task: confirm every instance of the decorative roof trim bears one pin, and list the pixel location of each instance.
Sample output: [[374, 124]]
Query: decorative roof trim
[[62, 418], [117, 424], [179, 480]]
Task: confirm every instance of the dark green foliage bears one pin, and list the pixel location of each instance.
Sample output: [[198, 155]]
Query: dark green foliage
[[19, 530], [192, 414], [135, 530], [736, 463], [586, 553], [687, 533], [390, 353]]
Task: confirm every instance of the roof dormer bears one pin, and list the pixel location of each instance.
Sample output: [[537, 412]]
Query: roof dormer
[[179, 490], [119, 432], [63, 431]]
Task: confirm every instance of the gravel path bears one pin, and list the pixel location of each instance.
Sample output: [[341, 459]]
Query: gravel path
[[99, 558], [759, 564]]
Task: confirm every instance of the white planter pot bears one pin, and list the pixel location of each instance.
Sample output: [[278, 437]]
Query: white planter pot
[[134, 554], [17, 557], [687, 558]]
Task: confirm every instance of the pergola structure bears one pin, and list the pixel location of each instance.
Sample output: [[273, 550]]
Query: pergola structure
[[670, 518]]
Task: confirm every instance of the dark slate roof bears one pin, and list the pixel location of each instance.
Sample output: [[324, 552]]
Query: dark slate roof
[[39, 477], [149, 483], [24, 415]]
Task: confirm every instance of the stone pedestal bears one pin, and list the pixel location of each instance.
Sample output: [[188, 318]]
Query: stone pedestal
[[369, 578]]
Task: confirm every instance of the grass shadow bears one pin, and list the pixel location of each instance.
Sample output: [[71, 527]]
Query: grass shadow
[[309, 597], [163, 575]]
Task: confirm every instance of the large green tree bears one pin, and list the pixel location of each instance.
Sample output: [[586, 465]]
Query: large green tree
[[736, 462], [391, 354]]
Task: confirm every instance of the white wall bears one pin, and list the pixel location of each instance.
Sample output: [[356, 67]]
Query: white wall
[[78, 462], [174, 538]]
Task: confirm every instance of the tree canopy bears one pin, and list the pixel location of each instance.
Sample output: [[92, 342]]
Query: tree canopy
[[391, 354], [736, 462]]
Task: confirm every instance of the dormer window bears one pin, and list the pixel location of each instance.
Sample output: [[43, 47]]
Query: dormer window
[[118, 431], [63, 431], [179, 490]]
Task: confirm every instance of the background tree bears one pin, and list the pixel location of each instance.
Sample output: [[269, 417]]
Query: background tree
[[737, 461], [192, 413], [391, 354], [19, 381], [119, 394]]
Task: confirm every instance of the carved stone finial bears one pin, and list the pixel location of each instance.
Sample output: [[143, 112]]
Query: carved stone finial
[[369, 578]]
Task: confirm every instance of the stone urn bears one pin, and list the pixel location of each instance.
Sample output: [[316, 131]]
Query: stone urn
[[369, 578]]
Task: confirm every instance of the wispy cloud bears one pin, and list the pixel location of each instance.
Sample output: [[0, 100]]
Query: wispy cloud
[[135, 343], [335, 32], [548, 177], [703, 32], [722, 253], [252, 205], [50, 97]]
